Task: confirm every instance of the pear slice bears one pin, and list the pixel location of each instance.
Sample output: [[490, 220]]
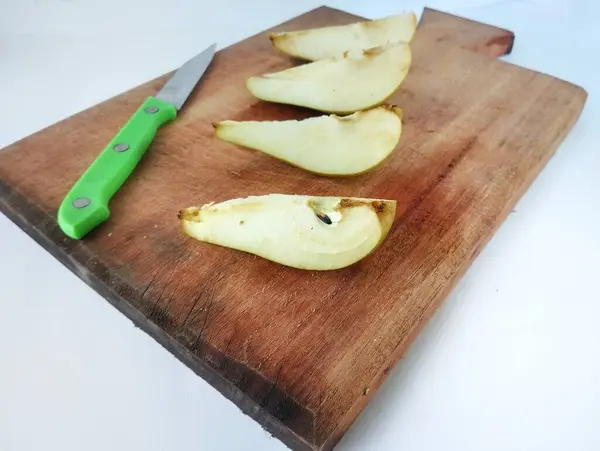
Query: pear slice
[[356, 81], [305, 232], [321, 43], [329, 145]]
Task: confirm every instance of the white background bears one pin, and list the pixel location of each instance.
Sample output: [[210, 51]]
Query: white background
[[511, 362]]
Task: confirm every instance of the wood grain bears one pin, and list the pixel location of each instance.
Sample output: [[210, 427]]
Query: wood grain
[[297, 350], [467, 34]]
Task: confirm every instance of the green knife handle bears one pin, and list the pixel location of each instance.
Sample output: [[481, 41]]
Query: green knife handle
[[86, 204]]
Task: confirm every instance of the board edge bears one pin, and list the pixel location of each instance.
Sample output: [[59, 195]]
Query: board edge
[[232, 393], [402, 347]]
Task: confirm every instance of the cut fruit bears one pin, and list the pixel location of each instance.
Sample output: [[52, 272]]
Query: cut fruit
[[357, 81], [328, 145], [305, 232], [327, 42]]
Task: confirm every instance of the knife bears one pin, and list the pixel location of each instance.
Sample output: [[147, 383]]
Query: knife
[[86, 204]]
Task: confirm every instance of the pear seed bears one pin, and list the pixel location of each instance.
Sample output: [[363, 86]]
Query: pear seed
[[323, 217]]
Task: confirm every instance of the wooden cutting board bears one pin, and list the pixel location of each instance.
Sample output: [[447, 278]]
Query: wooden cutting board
[[301, 352]]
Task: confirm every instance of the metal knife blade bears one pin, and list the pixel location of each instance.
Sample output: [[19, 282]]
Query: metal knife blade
[[182, 83]]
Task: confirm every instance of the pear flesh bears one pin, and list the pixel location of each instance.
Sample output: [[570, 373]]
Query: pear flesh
[[305, 232], [327, 42], [357, 81], [328, 145]]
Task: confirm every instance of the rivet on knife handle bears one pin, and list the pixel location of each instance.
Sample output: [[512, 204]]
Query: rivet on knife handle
[[86, 204]]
